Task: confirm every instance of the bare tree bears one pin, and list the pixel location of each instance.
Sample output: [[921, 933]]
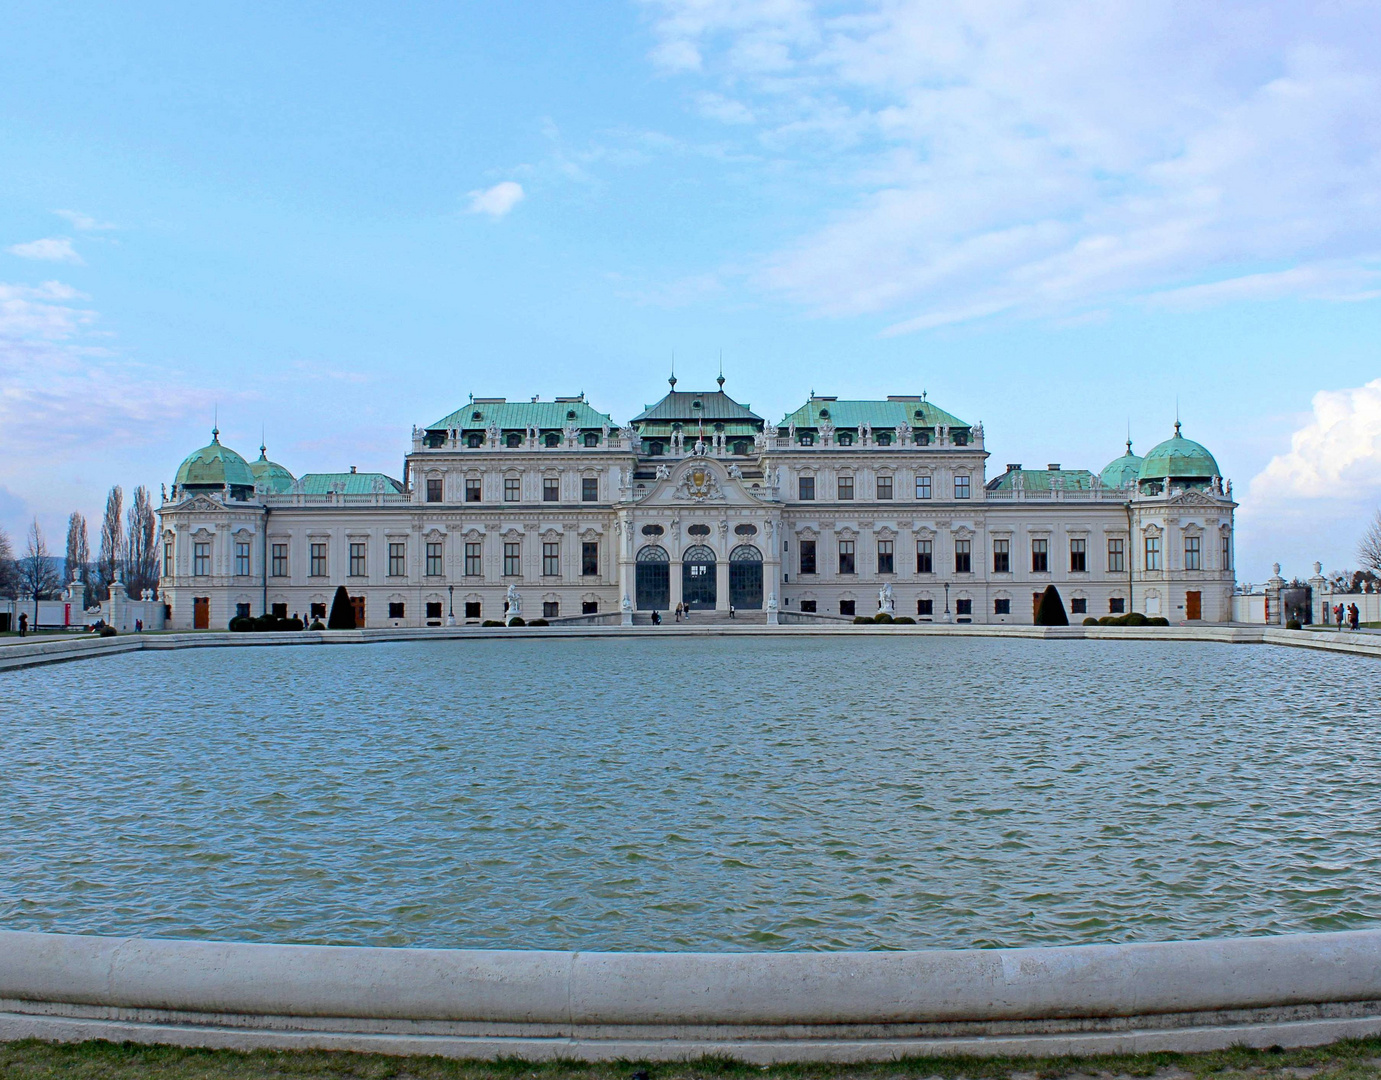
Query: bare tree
[[141, 563], [9, 573], [78, 566], [1369, 547], [38, 575], [112, 557]]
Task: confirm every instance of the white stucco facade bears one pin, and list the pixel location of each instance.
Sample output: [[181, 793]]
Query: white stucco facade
[[699, 501]]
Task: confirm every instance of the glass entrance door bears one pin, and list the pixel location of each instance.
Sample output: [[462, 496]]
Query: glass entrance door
[[698, 586], [745, 578]]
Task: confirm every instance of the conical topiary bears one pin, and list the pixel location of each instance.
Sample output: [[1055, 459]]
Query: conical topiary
[[1051, 611], [342, 611]]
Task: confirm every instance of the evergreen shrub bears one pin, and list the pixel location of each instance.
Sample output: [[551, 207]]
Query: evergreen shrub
[[342, 615], [539, 622], [108, 631], [517, 620], [316, 625], [1158, 620], [883, 617], [491, 622], [862, 620], [1091, 621], [1051, 611], [904, 619], [1135, 618], [1293, 624]]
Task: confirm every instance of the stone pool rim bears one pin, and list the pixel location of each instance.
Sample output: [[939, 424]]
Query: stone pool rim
[[54, 650], [1287, 990]]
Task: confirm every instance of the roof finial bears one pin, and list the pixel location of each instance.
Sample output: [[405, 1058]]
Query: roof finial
[[672, 380], [1177, 415], [720, 380], [1129, 437], [215, 423]]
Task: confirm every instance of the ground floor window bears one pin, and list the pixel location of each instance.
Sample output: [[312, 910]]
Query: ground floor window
[[925, 607], [846, 607], [1116, 606], [808, 606], [280, 611], [550, 609], [963, 607], [318, 611], [589, 607], [433, 609], [472, 609], [1078, 606], [1002, 607], [395, 610], [242, 611]]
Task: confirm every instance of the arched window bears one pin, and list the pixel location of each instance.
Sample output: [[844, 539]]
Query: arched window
[[699, 554], [553, 439], [654, 553], [591, 439], [514, 440], [474, 441], [745, 553]]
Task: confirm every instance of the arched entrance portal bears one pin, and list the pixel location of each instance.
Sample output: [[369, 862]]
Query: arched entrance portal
[[653, 579], [698, 588], [745, 578]]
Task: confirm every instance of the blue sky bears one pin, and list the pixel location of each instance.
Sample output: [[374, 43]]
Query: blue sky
[[335, 221]]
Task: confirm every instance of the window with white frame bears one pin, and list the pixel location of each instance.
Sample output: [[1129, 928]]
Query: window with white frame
[[474, 559], [1002, 556], [434, 558], [241, 558], [1078, 555], [961, 487], [923, 487], [280, 560], [1153, 553], [551, 558], [1193, 553], [397, 558], [317, 567], [512, 558], [201, 558], [512, 488], [925, 556], [1117, 555], [884, 487], [358, 561]]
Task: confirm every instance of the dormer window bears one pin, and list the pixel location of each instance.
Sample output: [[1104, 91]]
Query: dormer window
[[474, 442], [655, 449], [846, 438], [824, 414], [477, 415], [697, 404], [884, 438], [553, 439], [961, 438], [591, 439], [570, 414], [807, 439], [514, 441]]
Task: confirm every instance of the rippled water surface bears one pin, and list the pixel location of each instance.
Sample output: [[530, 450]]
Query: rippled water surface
[[770, 793]]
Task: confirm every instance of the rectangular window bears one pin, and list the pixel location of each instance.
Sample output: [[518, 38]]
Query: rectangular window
[[884, 487], [807, 556], [925, 607], [589, 607], [512, 559], [961, 487], [847, 607], [1117, 605], [395, 609], [397, 559], [168, 560], [1153, 553], [551, 489], [1002, 607], [201, 559], [805, 488], [242, 611], [1117, 556], [922, 487], [433, 609], [433, 489], [885, 557], [925, 557], [1226, 564], [551, 559], [280, 560], [474, 559], [808, 606], [1078, 605], [846, 487], [241, 559], [846, 556], [963, 556], [1040, 556], [1078, 556], [589, 559], [357, 560], [963, 607], [551, 609], [512, 488], [589, 489], [472, 609], [318, 553], [1002, 556], [1193, 554], [279, 611], [472, 489], [318, 611], [434, 558]]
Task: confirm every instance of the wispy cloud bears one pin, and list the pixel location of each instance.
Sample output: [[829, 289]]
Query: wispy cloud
[[986, 158], [497, 200], [51, 249], [84, 222]]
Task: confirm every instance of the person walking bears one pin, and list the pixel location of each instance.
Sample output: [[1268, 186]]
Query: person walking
[[1354, 616], [656, 618], [731, 611], [678, 612], [1338, 615], [23, 623]]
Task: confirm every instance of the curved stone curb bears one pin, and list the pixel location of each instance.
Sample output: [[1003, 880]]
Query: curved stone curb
[[48, 651], [763, 1007]]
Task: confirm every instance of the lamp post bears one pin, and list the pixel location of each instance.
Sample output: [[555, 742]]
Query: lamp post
[[948, 617], [451, 606]]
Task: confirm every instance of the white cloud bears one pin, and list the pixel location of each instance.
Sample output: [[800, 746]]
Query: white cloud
[[1336, 455], [52, 249], [1038, 159], [497, 200], [84, 222]]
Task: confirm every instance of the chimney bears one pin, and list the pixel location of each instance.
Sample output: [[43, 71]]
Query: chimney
[[352, 468], [1014, 468], [1054, 466]]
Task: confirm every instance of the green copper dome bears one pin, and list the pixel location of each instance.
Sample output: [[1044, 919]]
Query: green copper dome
[[214, 466], [1120, 472], [270, 474], [1180, 459]]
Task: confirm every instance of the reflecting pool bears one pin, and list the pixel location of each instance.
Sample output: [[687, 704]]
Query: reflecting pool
[[716, 794]]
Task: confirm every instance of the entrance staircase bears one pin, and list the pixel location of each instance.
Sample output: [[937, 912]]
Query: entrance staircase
[[715, 619]]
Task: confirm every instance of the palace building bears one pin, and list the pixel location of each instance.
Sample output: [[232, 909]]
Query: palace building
[[553, 509]]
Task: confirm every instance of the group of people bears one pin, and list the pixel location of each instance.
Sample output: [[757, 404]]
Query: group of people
[[1351, 613]]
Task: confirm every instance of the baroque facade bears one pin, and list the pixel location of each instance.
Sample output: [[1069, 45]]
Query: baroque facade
[[842, 506]]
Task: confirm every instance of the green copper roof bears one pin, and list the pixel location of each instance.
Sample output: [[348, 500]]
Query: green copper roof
[[214, 466], [270, 474], [354, 483], [690, 408], [880, 415], [1121, 471], [484, 413], [1038, 480], [1178, 458]]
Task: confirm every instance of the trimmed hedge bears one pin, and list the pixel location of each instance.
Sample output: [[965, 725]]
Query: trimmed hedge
[[1090, 621], [491, 622], [108, 631], [342, 611], [539, 622], [1051, 611], [517, 620], [883, 617], [905, 619], [250, 623]]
